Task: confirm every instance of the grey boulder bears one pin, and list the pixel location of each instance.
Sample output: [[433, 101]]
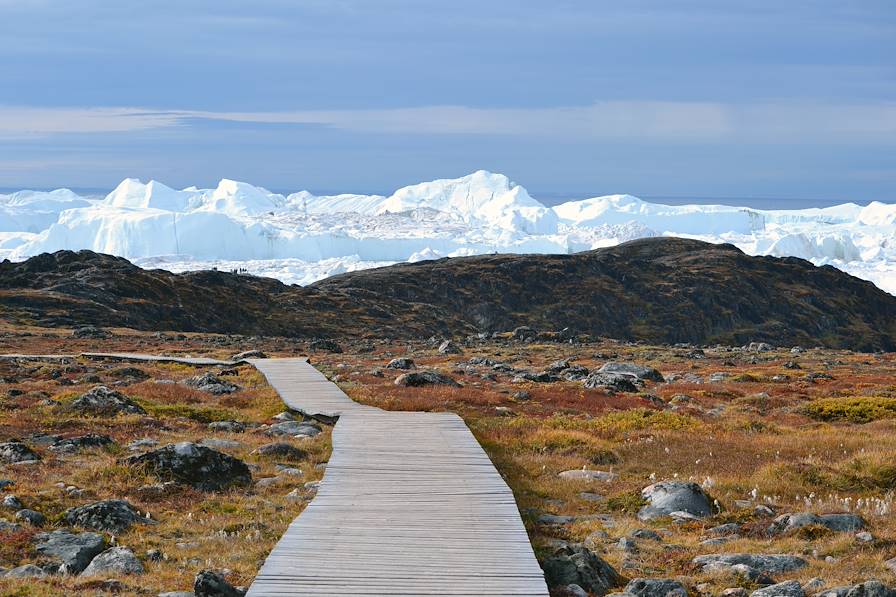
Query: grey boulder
[[74, 551], [13, 452], [790, 588], [576, 564], [111, 516], [195, 465], [656, 587], [424, 378], [638, 372], [667, 497], [294, 428], [212, 584], [401, 363], [114, 562], [840, 523], [212, 384], [767, 563], [101, 401], [26, 571]]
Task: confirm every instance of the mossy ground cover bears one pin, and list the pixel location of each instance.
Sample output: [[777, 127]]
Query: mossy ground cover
[[764, 433], [231, 530]]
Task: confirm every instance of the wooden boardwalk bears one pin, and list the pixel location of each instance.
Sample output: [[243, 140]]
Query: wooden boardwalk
[[410, 504]]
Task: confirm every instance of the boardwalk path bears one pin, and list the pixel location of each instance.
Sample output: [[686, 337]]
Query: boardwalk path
[[410, 504]]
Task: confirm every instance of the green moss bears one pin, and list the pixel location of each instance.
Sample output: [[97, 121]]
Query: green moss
[[629, 502], [200, 414], [858, 409], [865, 474]]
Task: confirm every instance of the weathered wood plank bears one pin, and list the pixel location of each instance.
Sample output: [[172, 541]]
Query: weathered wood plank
[[410, 504]]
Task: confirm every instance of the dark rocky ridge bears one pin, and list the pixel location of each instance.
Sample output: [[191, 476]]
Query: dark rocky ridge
[[657, 290]]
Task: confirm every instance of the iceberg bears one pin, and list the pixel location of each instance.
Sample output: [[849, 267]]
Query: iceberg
[[301, 237]]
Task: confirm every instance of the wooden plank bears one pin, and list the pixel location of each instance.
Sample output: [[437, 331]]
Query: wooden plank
[[409, 504]]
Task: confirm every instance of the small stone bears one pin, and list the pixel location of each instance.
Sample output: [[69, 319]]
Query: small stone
[[26, 571], [156, 555], [32, 517], [81, 442], [864, 537], [142, 444], [588, 475], [212, 384], [227, 426], [656, 587], [790, 588], [294, 429], [325, 345], [221, 444], [424, 378], [281, 450], [15, 452], [576, 564], [769, 564], [248, 354], [285, 416], [12, 502], [647, 534], [213, 584]]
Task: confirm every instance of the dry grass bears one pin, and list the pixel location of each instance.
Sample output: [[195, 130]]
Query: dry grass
[[232, 530], [754, 438]]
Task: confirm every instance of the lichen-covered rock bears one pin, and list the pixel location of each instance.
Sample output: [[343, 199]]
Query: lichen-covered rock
[[227, 426], [73, 444], [248, 354], [32, 517], [281, 450], [667, 497], [212, 384], [212, 584], [612, 381], [656, 587], [195, 465], [401, 363], [294, 428], [115, 561], [576, 564], [790, 588], [325, 345], [111, 516], [90, 331], [767, 563], [449, 347], [13, 452], [101, 401], [73, 551], [632, 370], [424, 378], [840, 523], [26, 571]]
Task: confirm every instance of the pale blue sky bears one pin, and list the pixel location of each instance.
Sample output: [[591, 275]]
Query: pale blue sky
[[698, 98]]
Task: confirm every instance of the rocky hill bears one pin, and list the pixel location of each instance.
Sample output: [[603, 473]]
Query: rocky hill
[[656, 290]]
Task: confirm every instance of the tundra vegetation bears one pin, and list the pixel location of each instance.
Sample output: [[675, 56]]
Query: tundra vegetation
[[771, 441]]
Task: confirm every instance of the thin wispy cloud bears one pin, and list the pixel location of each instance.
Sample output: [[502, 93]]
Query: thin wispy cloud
[[635, 120]]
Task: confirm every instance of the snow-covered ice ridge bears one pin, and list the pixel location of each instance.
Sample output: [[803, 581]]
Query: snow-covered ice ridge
[[303, 237]]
